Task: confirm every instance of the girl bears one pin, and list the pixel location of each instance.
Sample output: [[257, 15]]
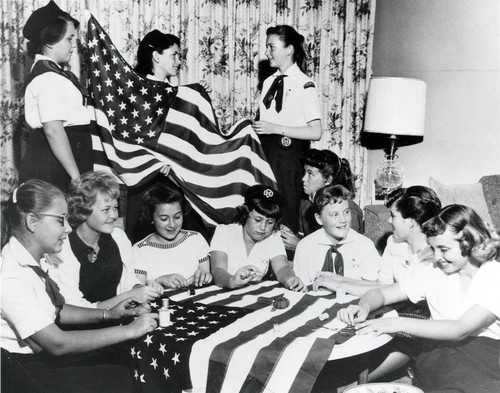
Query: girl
[[406, 248], [37, 354], [60, 146], [172, 256], [289, 115], [321, 168], [103, 269], [462, 292], [241, 252], [158, 59]]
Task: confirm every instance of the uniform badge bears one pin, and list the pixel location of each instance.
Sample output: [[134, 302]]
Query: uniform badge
[[308, 85], [286, 142]]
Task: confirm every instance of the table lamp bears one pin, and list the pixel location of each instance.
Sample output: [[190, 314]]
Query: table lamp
[[394, 116]]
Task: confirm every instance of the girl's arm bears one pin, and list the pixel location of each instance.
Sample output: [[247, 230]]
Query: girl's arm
[[334, 282], [371, 301], [285, 274], [59, 342], [219, 263], [310, 132], [473, 320], [59, 144]]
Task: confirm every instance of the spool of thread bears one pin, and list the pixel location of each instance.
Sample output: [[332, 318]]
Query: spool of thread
[[324, 316]]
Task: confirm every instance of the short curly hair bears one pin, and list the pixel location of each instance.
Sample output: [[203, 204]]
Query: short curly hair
[[82, 194], [474, 237]]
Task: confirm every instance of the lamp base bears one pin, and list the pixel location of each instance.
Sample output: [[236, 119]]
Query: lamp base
[[389, 177]]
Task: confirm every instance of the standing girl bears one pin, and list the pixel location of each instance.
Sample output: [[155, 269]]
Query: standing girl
[[38, 355], [158, 59], [462, 292], [60, 145], [172, 256], [289, 115]]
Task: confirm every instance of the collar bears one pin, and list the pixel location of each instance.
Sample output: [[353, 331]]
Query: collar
[[23, 256], [79, 246], [325, 240], [43, 57], [291, 71]]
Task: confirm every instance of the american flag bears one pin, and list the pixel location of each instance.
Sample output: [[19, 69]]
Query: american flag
[[144, 125], [248, 346]]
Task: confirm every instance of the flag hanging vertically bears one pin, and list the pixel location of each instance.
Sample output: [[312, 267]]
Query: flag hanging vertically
[[144, 125]]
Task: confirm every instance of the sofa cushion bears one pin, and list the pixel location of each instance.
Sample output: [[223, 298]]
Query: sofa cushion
[[491, 188], [471, 195]]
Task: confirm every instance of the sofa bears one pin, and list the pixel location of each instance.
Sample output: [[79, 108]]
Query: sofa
[[484, 197]]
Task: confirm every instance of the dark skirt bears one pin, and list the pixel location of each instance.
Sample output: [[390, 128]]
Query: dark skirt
[[288, 170], [39, 162], [468, 366], [104, 370]]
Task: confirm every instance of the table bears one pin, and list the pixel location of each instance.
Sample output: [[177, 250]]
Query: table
[[232, 341]]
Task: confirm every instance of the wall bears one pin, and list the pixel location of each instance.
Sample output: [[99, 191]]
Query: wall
[[454, 46]]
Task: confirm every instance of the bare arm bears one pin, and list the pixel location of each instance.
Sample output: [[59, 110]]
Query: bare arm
[[59, 144], [285, 274], [473, 320], [222, 278], [59, 342], [310, 132], [144, 294], [334, 282], [371, 301]]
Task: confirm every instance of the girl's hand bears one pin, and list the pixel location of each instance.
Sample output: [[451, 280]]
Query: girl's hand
[[352, 314], [290, 240], [145, 293], [330, 282], [265, 128], [154, 284], [175, 281], [146, 323], [379, 326], [295, 284], [201, 277], [244, 275], [206, 86]]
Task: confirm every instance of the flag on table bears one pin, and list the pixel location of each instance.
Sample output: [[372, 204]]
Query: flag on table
[[143, 125], [264, 350]]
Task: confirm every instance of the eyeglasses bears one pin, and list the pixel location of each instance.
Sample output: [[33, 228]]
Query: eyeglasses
[[63, 218]]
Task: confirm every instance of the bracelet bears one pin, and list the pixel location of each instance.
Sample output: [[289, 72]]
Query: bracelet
[[104, 313]]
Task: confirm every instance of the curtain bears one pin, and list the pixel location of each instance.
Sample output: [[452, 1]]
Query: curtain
[[223, 42]]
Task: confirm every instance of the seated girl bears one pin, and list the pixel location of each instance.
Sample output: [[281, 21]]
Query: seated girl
[[406, 247], [241, 252], [37, 353], [322, 168], [98, 257], [462, 292], [172, 256]]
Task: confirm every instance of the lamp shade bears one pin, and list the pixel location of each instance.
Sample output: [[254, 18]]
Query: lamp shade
[[395, 106]]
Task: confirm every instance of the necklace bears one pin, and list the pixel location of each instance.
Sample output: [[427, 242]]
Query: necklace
[[92, 256]]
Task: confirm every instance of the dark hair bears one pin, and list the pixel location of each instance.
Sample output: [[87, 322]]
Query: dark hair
[[154, 41], [331, 165], [160, 194], [417, 202], [51, 34], [255, 199], [82, 194], [33, 196], [330, 194], [475, 239], [290, 36]]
